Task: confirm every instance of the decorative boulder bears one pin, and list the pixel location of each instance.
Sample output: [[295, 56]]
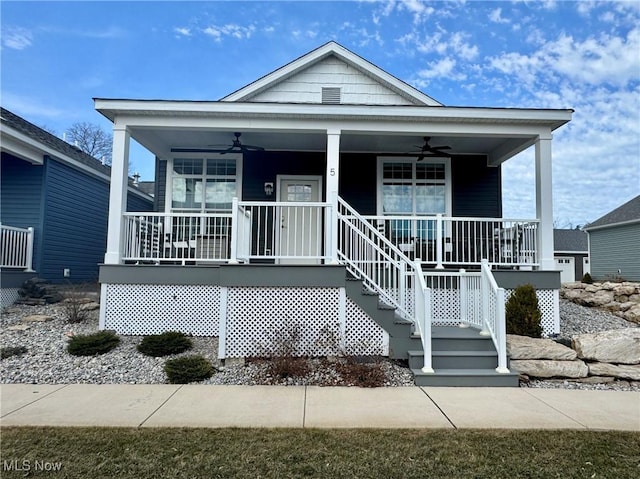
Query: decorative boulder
[[624, 371], [542, 368], [633, 314], [619, 346], [599, 298], [523, 347]]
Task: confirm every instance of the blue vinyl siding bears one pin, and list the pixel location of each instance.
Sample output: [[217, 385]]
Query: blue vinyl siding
[[615, 249], [21, 197], [136, 203], [477, 188], [75, 223]]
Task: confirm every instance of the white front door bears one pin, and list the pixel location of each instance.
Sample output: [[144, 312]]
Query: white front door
[[300, 225]]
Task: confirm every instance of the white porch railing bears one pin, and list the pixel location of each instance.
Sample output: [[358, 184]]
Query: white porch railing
[[176, 237], [284, 231], [439, 240], [16, 247], [473, 298], [253, 230]]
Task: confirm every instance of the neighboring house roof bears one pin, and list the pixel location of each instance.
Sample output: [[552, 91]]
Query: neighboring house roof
[[574, 240], [30, 142], [45, 138], [147, 187], [624, 214], [409, 94]]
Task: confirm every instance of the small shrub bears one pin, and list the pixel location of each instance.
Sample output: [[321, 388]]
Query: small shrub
[[587, 279], [73, 305], [188, 369], [90, 344], [523, 316], [10, 351], [363, 375], [170, 342], [284, 367]]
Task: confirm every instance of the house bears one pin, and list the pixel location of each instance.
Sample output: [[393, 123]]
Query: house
[[54, 207], [332, 200], [571, 253], [613, 243]]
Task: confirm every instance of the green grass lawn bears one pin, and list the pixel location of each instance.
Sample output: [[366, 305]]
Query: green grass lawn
[[300, 453]]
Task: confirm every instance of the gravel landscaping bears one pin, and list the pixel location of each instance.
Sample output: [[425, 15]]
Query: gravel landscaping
[[47, 361]]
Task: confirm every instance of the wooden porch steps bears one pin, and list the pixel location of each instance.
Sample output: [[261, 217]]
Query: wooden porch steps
[[460, 356]]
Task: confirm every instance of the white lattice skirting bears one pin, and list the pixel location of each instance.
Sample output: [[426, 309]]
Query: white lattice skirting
[[549, 304], [8, 296], [250, 321]]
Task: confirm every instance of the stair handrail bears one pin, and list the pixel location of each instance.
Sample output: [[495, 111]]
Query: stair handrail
[[408, 273], [494, 317], [375, 251]]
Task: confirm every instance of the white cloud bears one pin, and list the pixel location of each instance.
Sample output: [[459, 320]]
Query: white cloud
[[441, 43], [230, 30], [443, 68], [182, 31], [496, 16], [607, 59], [16, 38]]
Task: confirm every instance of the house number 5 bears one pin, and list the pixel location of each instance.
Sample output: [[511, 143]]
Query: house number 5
[[332, 172]]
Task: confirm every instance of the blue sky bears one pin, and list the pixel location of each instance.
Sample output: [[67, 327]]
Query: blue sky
[[57, 56]]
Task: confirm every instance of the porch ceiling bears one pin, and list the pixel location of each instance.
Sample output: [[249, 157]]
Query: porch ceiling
[[498, 133], [160, 141]]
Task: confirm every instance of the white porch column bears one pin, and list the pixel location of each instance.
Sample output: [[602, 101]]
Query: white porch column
[[544, 202], [333, 169], [117, 193]]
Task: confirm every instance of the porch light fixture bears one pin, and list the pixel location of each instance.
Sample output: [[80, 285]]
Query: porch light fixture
[[268, 189]]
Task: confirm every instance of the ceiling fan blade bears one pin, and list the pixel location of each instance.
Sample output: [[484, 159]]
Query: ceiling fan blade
[[198, 150], [443, 147], [252, 148]]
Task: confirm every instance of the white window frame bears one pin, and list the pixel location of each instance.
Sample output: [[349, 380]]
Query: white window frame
[[413, 160], [200, 156]]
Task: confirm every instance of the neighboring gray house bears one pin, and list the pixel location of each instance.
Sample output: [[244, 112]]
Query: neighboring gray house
[[614, 243], [571, 253]]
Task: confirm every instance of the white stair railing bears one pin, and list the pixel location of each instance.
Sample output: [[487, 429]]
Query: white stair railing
[[386, 270], [493, 314]]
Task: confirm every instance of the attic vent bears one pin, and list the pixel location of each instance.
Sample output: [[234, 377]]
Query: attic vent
[[331, 95]]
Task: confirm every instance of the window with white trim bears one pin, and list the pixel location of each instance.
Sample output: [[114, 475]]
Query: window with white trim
[[204, 184], [408, 187]]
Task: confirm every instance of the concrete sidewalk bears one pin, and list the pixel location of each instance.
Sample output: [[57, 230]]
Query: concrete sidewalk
[[165, 405]]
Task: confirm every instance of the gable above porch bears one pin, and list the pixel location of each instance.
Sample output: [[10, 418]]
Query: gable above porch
[[331, 74]]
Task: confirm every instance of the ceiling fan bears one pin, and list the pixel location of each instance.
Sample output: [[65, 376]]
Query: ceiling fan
[[428, 151], [235, 147]]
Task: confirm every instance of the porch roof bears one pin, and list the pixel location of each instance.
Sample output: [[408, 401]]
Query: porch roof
[[500, 133]]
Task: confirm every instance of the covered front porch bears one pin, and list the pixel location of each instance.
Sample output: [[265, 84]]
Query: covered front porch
[[279, 203], [323, 186]]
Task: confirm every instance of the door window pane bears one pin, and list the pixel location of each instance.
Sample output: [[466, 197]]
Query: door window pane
[[299, 192]]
